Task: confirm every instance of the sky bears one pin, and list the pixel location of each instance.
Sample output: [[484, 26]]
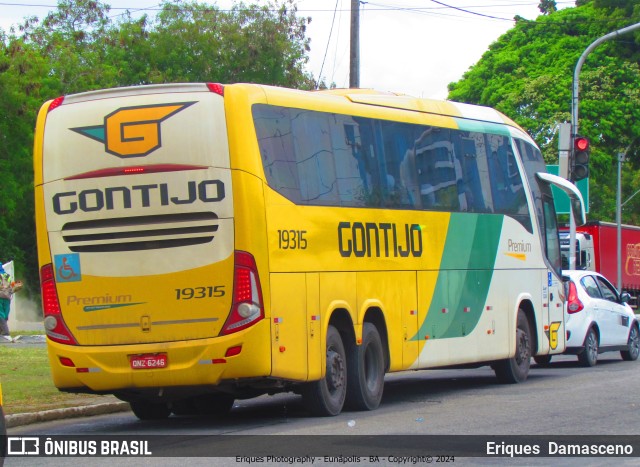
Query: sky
[[415, 47]]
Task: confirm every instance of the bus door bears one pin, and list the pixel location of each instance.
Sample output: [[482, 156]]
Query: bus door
[[554, 303], [553, 292]]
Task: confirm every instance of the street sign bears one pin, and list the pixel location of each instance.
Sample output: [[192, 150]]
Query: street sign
[[561, 200]]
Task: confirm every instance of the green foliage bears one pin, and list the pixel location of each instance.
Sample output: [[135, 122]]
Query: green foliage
[[80, 47], [528, 74], [189, 41], [547, 6]]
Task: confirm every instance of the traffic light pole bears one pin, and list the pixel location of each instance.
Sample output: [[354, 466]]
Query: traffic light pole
[[621, 158], [581, 60], [574, 121]]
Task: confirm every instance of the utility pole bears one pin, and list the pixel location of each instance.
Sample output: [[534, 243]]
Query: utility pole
[[622, 156], [354, 54]]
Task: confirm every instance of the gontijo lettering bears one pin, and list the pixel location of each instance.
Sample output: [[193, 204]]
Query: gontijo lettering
[[138, 196], [380, 240]]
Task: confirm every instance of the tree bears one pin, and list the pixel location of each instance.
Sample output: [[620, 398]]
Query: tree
[[527, 74], [547, 6], [21, 71], [191, 41], [80, 47]]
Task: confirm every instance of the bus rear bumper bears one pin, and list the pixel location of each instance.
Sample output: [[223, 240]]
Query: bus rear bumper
[[202, 362]]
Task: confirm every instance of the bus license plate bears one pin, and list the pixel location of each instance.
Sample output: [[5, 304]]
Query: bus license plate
[[141, 362]]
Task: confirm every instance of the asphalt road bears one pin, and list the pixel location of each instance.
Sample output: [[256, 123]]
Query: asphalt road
[[564, 399]]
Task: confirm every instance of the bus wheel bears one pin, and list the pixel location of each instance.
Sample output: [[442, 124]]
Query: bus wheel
[[516, 369], [326, 396], [145, 410], [542, 360], [184, 407], [365, 371], [213, 404]]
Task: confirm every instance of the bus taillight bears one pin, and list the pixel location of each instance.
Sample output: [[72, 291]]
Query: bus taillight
[[57, 102], [247, 306], [216, 87], [54, 325]]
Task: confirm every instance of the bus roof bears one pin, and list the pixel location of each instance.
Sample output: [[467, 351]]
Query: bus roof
[[400, 101], [384, 99]]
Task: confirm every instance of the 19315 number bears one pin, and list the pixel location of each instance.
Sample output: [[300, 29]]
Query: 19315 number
[[189, 293], [292, 239]]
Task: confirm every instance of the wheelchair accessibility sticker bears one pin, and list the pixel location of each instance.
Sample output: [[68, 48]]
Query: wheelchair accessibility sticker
[[68, 268]]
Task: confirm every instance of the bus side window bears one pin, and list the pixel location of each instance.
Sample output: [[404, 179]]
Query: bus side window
[[397, 141], [409, 177], [437, 170], [275, 139], [315, 158], [349, 166], [468, 177]]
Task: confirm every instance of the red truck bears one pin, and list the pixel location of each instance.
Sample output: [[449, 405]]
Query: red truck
[[596, 250]]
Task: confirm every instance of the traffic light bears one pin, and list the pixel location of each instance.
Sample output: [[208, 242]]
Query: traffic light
[[580, 158]]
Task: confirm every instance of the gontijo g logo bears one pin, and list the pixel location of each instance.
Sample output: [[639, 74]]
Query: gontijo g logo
[[133, 131]]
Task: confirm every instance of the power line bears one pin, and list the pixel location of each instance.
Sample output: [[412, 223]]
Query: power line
[[382, 7], [424, 10], [469, 11], [328, 41]]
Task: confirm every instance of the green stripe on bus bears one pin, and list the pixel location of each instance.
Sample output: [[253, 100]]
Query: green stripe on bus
[[465, 276], [482, 127]]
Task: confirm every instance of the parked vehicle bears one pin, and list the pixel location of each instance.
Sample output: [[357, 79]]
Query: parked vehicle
[[200, 243], [597, 319], [596, 250]]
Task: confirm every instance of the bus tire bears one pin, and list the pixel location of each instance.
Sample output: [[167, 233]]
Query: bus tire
[[633, 345], [213, 405], [516, 369], [184, 407], [365, 371], [542, 360], [325, 398], [146, 410]]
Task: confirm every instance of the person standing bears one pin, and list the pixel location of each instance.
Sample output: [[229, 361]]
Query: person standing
[[6, 294]]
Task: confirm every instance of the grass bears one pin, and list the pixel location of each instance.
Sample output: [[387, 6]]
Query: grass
[[27, 385], [26, 333]]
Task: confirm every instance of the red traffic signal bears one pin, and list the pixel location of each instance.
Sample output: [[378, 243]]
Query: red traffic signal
[[580, 158], [581, 144]]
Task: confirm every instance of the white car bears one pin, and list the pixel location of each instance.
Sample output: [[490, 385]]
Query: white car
[[597, 319]]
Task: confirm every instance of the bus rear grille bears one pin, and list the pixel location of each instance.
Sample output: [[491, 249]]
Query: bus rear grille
[[140, 232]]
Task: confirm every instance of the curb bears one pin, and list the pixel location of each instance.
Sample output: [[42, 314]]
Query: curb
[[70, 412]]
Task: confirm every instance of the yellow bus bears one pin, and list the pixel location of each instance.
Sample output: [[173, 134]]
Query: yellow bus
[[201, 243]]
